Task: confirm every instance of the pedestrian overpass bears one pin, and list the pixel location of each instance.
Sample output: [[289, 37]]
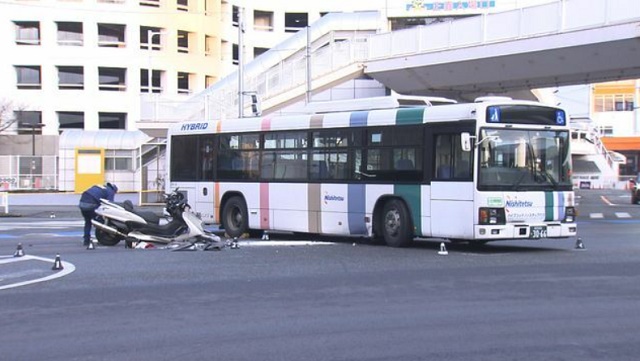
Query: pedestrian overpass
[[562, 42]]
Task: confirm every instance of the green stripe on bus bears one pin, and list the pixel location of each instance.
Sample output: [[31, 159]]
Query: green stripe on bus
[[409, 116], [548, 206], [412, 195]]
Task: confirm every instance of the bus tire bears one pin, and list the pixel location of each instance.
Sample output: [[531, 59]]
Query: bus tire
[[234, 217], [396, 224]]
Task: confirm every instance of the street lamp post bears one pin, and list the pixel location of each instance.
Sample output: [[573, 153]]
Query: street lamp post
[[32, 127]]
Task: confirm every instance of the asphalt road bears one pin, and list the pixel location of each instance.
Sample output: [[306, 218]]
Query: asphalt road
[[540, 300]]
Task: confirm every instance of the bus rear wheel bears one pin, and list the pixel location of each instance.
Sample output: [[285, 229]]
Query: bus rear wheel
[[234, 217], [396, 224]]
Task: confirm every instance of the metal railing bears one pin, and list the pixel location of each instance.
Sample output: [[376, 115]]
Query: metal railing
[[551, 18]]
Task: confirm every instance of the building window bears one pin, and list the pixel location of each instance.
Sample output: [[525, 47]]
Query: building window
[[156, 83], [209, 80], [183, 5], [29, 121], [259, 51], [263, 20], [70, 33], [183, 41], [28, 76], [295, 21], [151, 35], [27, 32], [605, 130], [70, 120], [112, 120], [151, 3], [111, 35], [235, 56], [613, 103], [70, 77], [235, 15], [118, 160], [112, 79], [183, 83], [208, 45]]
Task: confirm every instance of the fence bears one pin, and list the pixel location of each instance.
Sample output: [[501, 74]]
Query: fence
[[19, 172]]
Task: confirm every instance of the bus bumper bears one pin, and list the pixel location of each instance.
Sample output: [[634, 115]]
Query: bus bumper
[[525, 231]]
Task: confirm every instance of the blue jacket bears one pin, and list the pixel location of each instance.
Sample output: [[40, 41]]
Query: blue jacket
[[90, 199]]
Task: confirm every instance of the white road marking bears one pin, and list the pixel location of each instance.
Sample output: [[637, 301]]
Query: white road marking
[[67, 269], [596, 215], [282, 243], [7, 226], [623, 215]]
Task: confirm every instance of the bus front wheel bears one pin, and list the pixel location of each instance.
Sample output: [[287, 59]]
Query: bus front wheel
[[396, 224], [234, 217]]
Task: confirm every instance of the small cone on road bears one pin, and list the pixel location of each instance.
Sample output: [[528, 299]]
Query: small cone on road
[[91, 245], [52, 215], [265, 236], [19, 251], [57, 264], [234, 243], [579, 244], [443, 250]]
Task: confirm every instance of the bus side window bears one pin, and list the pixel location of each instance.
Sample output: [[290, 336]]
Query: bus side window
[[451, 162], [443, 157]]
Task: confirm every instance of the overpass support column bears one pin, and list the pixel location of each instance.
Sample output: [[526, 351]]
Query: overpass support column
[[636, 108]]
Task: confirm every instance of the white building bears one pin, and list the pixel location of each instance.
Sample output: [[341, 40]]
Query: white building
[[85, 65]]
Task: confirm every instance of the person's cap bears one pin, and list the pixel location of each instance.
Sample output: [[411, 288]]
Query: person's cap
[[112, 186]]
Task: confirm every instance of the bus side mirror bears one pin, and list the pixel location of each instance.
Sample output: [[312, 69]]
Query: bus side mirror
[[465, 139]]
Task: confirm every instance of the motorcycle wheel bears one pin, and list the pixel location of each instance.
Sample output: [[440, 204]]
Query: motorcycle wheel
[[106, 238]]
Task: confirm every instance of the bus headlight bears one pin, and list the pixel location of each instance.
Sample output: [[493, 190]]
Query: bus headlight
[[569, 215], [491, 215]]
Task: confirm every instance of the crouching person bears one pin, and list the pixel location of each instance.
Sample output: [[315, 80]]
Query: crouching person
[[90, 201]]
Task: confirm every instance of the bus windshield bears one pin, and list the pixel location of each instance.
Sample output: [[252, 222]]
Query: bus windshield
[[524, 159]]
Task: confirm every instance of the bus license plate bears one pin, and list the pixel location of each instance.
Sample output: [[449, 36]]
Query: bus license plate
[[538, 232]]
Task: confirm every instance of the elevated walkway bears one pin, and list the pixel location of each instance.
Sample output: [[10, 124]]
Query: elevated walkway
[[562, 42]]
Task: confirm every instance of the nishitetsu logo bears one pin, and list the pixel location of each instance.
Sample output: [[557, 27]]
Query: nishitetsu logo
[[194, 126], [332, 197], [515, 203]]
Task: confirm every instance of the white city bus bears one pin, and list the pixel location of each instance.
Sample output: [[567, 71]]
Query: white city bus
[[496, 169]]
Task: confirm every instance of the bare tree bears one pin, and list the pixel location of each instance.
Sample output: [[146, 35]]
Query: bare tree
[[7, 117]]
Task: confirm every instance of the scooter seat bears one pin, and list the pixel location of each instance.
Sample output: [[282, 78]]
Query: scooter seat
[[148, 216]]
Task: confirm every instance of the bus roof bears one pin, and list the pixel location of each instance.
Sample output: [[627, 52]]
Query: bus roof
[[391, 116], [374, 103]]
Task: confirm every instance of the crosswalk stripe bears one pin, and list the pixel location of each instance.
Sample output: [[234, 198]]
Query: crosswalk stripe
[[623, 215], [596, 215]]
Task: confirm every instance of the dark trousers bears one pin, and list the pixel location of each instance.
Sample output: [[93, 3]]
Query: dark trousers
[[88, 215]]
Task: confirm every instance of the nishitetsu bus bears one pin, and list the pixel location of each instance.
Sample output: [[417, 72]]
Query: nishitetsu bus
[[496, 169]]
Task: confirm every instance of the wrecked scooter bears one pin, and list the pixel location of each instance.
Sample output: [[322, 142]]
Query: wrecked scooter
[[116, 222]]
